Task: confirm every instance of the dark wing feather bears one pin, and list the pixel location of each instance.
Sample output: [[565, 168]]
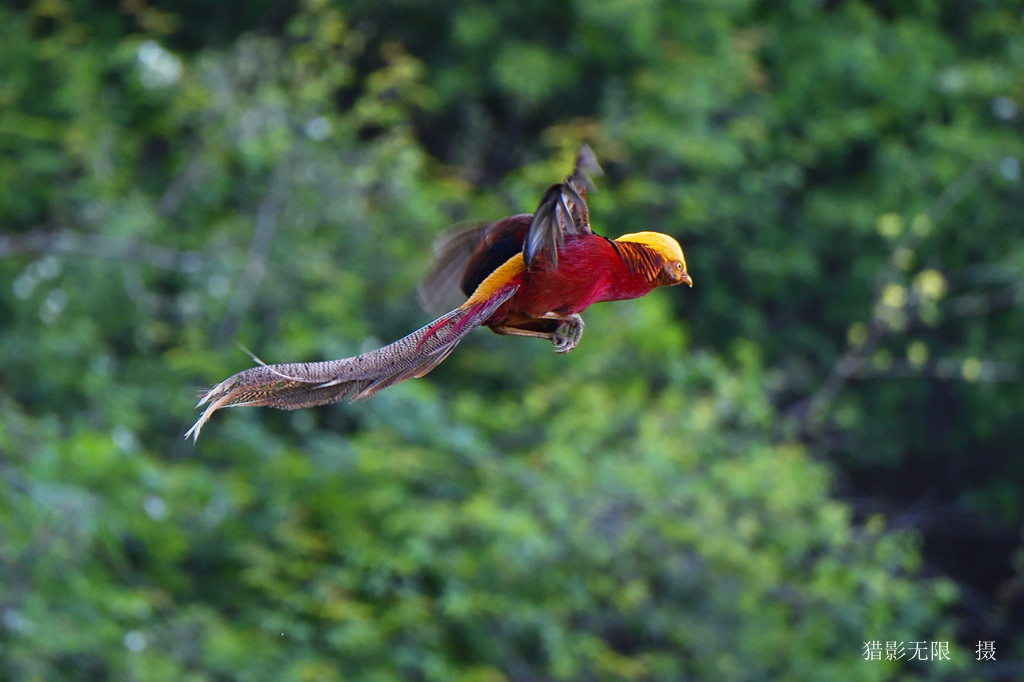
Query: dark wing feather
[[562, 211], [586, 162], [296, 385]]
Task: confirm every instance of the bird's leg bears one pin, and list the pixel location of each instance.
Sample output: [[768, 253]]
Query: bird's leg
[[510, 330], [563, 331]]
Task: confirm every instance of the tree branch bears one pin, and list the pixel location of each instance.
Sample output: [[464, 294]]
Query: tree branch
[[808, 412]]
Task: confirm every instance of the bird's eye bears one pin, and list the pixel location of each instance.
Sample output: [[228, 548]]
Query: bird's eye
[[679, 266]]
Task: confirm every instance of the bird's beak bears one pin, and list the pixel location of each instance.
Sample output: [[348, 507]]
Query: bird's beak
[[685, 278]]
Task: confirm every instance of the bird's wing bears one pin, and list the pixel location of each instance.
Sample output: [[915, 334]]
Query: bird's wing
[[465, 254], [562, 211], [296, 385], [453, 250]]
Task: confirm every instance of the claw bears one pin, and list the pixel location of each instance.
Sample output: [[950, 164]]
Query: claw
[[568, 334]]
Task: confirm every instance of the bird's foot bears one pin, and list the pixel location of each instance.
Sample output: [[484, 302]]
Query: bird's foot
[[568, 334]]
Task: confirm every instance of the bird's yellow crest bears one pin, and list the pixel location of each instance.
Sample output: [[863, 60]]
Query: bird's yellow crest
[[662, 243]]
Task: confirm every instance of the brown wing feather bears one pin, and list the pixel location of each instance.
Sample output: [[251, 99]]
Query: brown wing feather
[[453, 250]]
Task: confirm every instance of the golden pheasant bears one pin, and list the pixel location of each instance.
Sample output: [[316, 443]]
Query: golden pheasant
[[526, 275]]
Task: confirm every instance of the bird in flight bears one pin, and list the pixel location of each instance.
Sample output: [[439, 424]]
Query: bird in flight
[[525, 275]]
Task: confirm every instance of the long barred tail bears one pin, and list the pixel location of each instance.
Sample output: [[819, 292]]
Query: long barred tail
[[292, 386]]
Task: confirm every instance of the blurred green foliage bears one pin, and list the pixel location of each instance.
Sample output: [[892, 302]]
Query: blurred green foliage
[[816, 447]]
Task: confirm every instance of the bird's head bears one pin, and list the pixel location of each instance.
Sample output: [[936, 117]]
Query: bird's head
[[673, 271]]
